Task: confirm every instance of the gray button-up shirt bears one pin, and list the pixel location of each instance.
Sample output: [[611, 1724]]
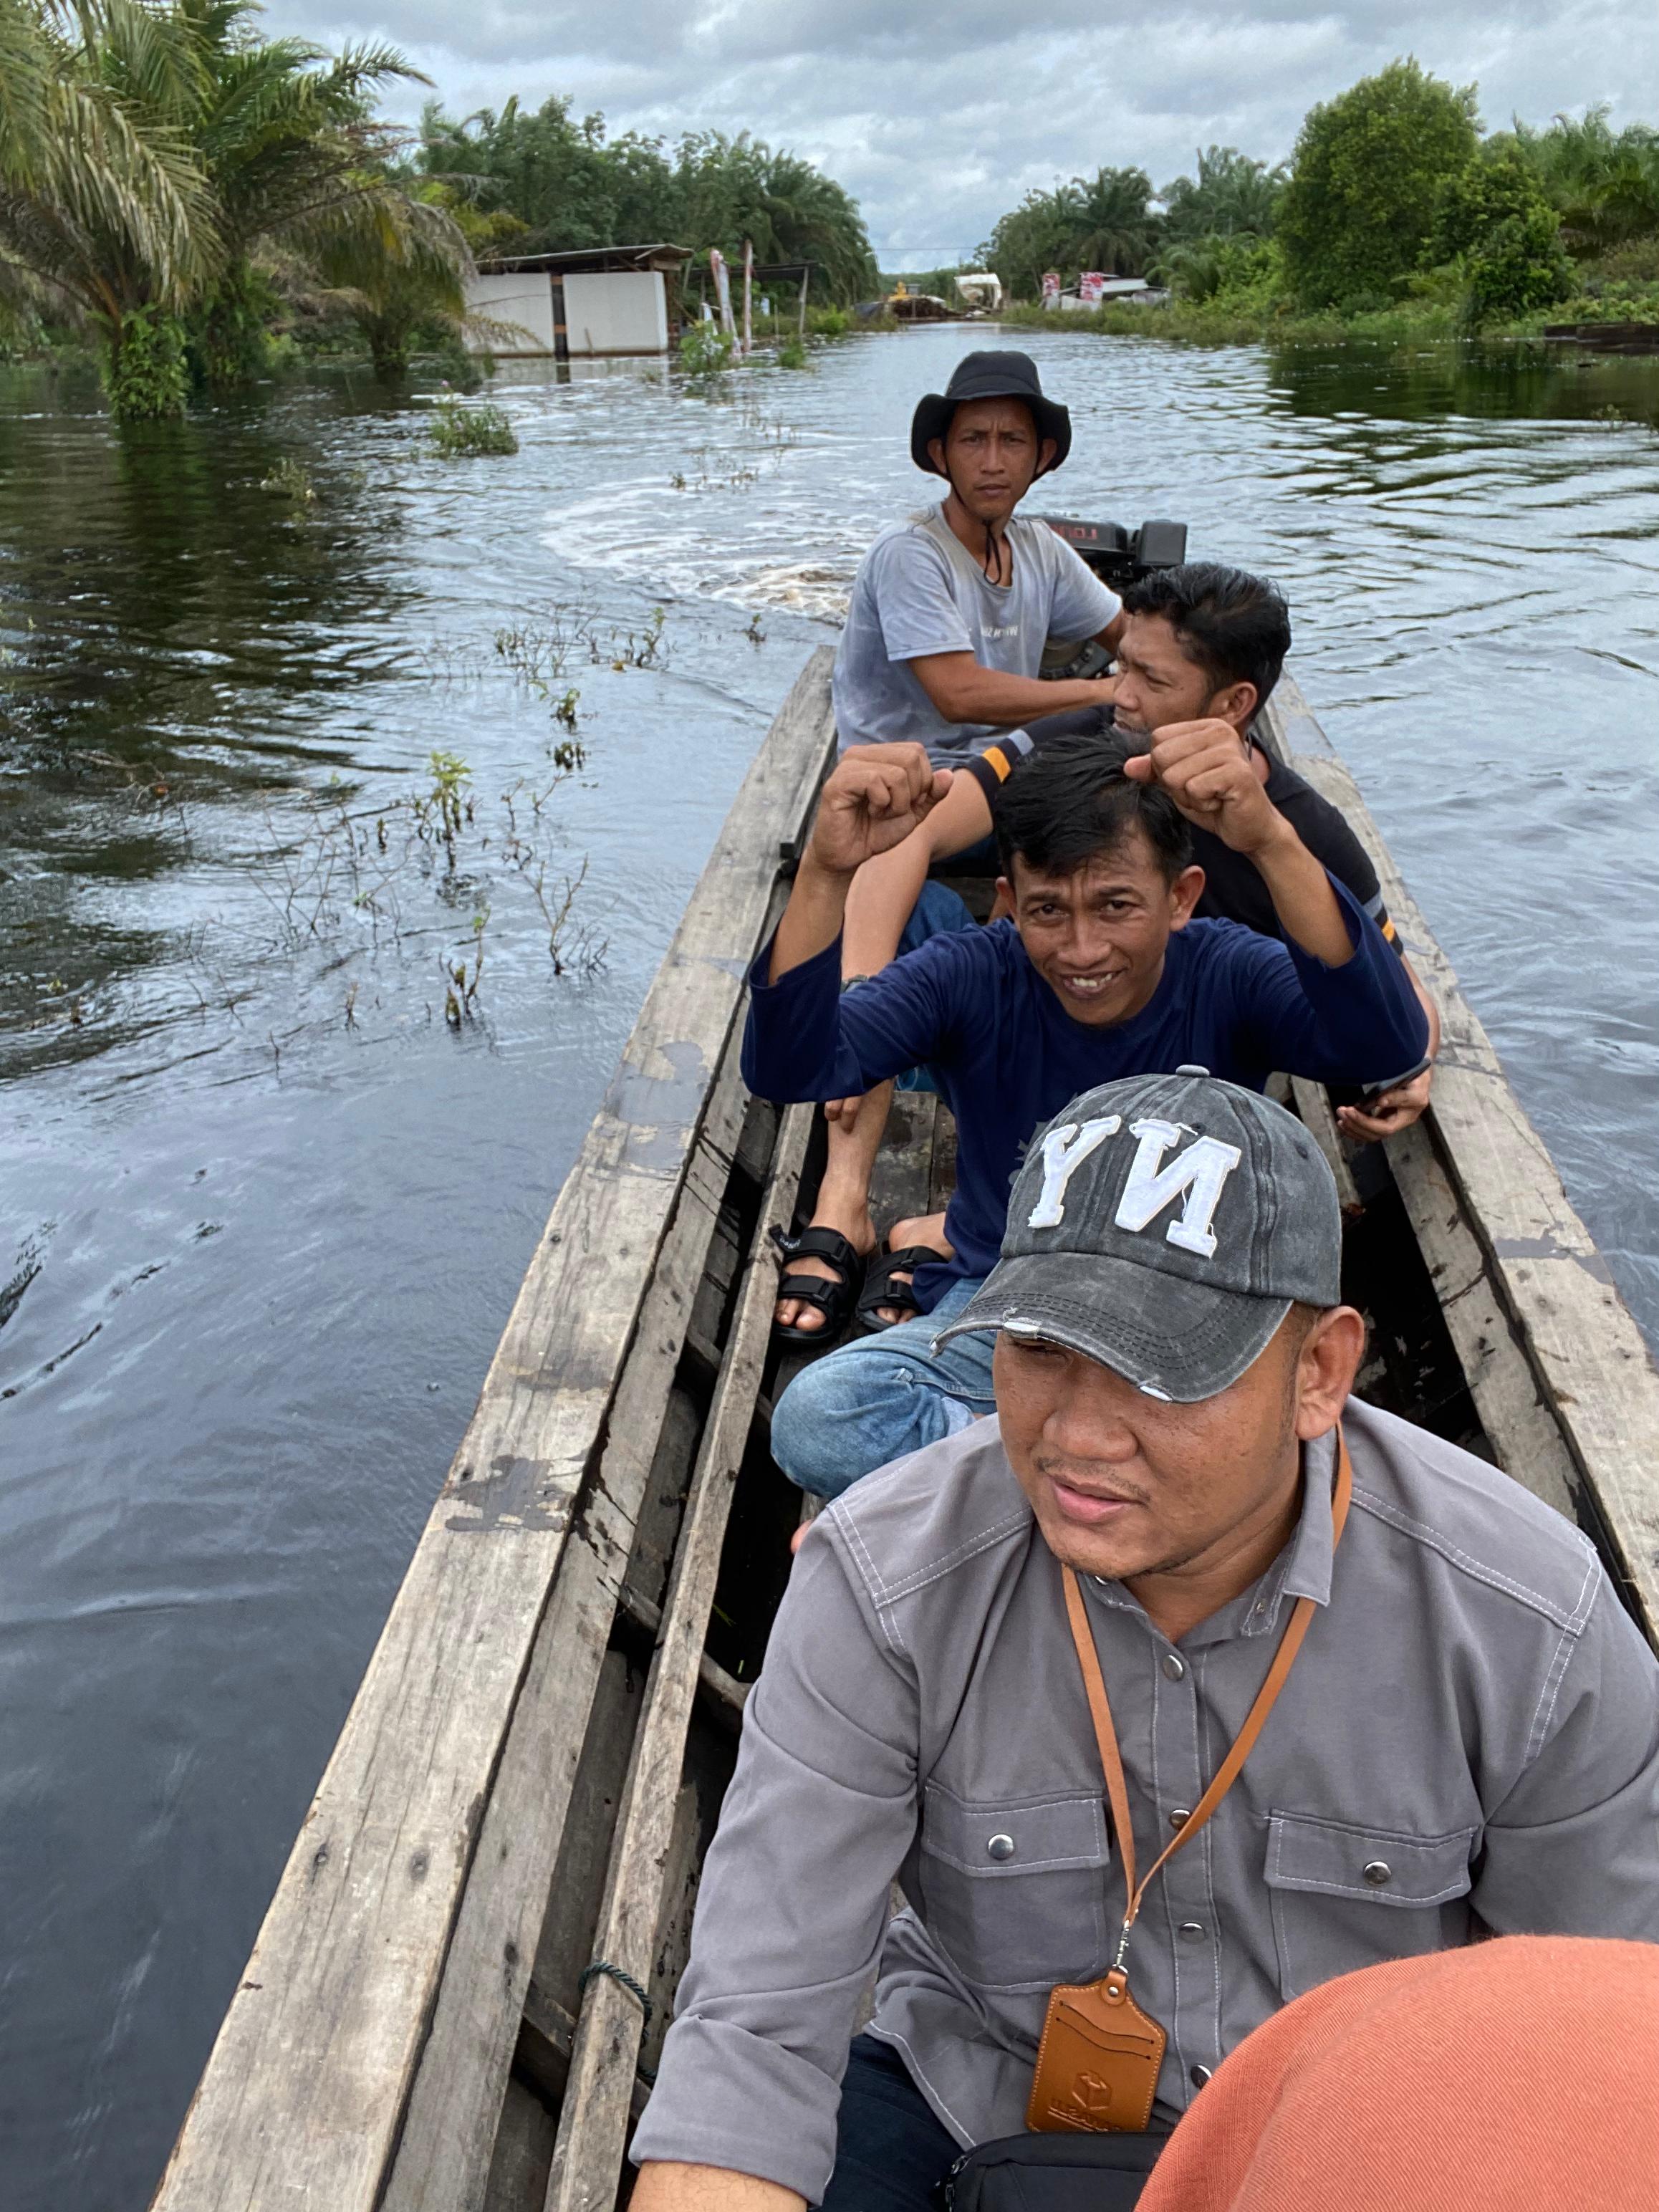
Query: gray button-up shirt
[[1469, 1740]]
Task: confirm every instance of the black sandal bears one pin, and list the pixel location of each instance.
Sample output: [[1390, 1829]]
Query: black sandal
[[833, 1300], [880, 1289]]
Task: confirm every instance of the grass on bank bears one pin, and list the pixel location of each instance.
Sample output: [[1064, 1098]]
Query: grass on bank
[[1251, 321]]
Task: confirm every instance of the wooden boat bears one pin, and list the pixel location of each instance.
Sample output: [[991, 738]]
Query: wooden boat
[[462, 1983]]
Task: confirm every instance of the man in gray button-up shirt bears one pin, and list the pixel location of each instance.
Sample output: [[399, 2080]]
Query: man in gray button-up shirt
[[1469, 1740]]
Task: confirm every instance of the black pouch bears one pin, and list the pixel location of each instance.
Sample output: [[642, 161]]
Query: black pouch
[[1053, 2173]]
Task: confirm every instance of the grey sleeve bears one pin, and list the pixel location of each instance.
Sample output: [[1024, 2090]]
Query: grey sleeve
[[1573, 1850], [917, 608], [794, 1902], [1082, 606]]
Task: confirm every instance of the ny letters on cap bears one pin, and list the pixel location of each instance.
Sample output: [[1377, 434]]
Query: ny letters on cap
[[1163, 1225]]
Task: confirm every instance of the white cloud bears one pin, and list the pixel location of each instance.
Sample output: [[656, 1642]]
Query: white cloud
[[938, 121]]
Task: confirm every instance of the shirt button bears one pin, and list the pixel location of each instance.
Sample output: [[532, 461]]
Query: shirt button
[[1173, 1667], [1199, 2075], [1001, 1847], [1191, 1931], [1182, 1813], [1376, 1872]]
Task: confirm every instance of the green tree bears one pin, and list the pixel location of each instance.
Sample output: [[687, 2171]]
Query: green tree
[[1497, 222], [302, 178], [1036, 236], [733, 189], [1358, 216], [1103, 221], [560, 178], [187, 165], [1603, 184], [99, 214], [1231, 196], [1117, 230], [572, 186]]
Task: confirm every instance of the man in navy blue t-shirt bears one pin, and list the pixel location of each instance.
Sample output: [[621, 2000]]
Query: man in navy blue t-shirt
[[1101, 972]]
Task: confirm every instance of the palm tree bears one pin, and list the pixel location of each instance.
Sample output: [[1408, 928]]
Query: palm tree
[[1231, 196], [1604, 183], [96, 211], [736, 188], [1116, 227], [159, 160]]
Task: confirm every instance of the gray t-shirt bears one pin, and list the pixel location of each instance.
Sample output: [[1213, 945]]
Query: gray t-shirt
[[920, 591]]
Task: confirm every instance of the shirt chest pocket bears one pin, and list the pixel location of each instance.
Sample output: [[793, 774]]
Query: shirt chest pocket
[[1346, 1895], [1014, 1891]]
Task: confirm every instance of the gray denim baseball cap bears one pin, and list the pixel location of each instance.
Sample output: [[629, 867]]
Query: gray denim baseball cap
[[1163, 1226]]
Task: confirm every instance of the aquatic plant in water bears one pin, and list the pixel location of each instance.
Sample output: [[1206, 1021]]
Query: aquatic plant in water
[[538, 656], [372, 883], [290, 480], [706, 349], [459, 432]]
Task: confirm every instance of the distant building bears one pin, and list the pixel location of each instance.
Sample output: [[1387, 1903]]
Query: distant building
[[1092, 291], [593, 304]]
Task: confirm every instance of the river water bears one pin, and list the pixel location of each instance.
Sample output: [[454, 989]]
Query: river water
[[271, 1171]]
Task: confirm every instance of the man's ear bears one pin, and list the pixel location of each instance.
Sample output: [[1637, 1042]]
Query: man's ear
[[1046, 453], [936, 455], [1185, 893], [1235, 703], [1329, 1361]]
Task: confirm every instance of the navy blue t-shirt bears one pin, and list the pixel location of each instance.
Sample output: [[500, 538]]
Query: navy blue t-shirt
[[1006, 1056]]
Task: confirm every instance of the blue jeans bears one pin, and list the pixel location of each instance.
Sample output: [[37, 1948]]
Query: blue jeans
[[891, 2152], [881, 1396]]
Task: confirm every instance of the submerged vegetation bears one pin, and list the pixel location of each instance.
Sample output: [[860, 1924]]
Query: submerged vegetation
[[433, 860], [459, 432]]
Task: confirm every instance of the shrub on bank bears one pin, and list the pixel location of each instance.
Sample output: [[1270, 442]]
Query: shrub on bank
[[1496, 224]]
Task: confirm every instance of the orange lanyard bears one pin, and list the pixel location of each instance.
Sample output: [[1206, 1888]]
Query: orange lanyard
[[1227, 1773]]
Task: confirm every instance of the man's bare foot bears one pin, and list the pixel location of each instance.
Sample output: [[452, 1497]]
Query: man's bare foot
[[926, 1228], [860, 1233]]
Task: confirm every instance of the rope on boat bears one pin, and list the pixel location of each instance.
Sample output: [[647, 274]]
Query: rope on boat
[[620, 1974]]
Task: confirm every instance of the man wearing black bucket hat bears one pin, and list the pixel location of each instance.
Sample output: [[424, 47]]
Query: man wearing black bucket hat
[[950, 612], [945, 630], [1186, 1683]]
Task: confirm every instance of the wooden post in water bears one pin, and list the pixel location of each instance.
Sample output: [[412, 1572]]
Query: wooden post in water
[[748, 286], [805, 279]]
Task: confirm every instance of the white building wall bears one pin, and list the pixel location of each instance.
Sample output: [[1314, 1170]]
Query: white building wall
[[617, 311], [525, 299]]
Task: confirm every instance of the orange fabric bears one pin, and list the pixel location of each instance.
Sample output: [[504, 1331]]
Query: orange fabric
[[1517, 2076]]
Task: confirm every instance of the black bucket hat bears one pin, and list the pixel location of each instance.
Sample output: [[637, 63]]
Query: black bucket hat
[[998, 375]]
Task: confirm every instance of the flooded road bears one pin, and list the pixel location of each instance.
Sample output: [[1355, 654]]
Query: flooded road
[[288, 740]]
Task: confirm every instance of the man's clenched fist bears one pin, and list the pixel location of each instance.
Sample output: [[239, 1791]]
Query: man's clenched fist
[[1205, 768], [876, 797]]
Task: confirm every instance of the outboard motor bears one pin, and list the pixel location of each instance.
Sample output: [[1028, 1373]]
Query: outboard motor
[[1118, 557]]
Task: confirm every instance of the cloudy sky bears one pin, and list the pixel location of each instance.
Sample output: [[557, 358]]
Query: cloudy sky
[[939, 117]]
